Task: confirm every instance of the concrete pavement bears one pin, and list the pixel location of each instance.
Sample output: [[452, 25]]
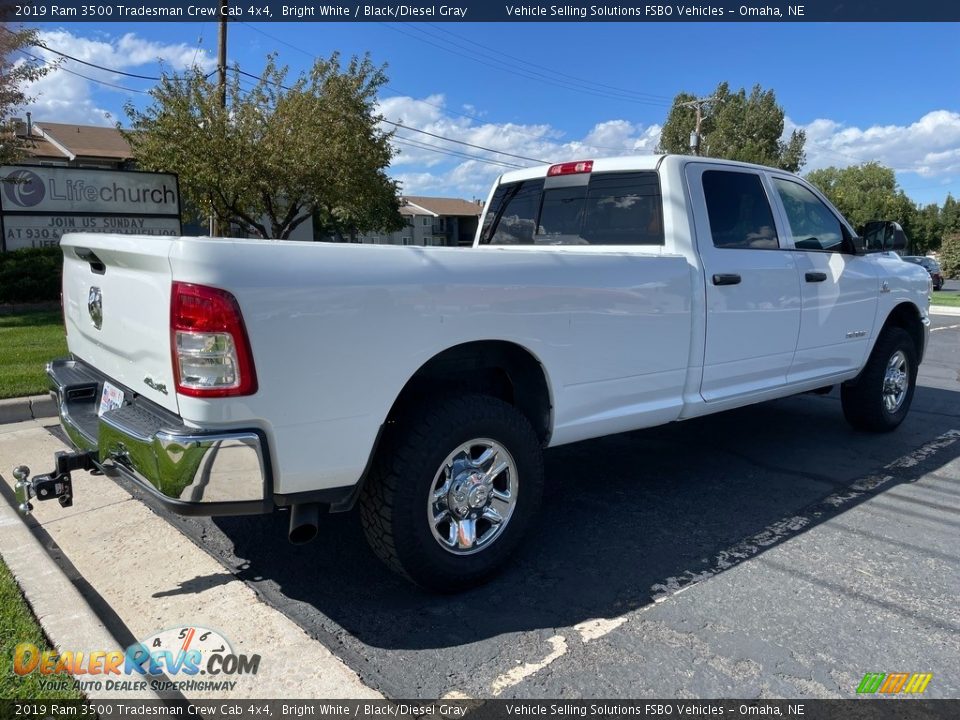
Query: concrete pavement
[[154, 578], [67, 618]]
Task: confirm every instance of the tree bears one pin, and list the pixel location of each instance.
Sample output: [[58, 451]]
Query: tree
[[736, 126], [865, 192], [15, 71], [950, 215], [950, 256], [276, 155], [927, 229]]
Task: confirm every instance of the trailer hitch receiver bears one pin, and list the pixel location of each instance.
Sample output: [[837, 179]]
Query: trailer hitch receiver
[[57, 484]]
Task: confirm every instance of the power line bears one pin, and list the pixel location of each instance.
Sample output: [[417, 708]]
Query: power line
[[82, 62], [94, 65], [574, 78], [454, 153], [463, 142], [427, 132], [254, 77], [522, 72], [417, 144], [449, 111], [199, 43], [85, 77], [310, 55]]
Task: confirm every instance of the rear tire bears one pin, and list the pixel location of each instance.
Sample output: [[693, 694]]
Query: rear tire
[[453, 491], [879, 398]]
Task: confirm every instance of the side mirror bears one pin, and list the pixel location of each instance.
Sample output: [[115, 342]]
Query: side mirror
[[852, 244], [883, 235]]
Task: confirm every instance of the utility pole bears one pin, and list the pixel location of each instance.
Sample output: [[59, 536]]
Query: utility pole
[[222, 54], [698, 105], [221, 82]]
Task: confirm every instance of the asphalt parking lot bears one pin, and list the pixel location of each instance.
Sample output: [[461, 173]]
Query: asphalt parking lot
[[766, 552]]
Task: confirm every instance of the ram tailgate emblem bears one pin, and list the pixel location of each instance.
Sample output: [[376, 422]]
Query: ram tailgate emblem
[[95, 307]]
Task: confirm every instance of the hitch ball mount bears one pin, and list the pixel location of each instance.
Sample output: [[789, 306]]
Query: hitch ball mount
[[57, 484]]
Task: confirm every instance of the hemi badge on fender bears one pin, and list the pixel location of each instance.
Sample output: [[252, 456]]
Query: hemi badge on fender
[[856, 334]]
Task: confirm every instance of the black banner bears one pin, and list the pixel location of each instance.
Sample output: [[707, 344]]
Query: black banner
[[484, 11], [853, 709]]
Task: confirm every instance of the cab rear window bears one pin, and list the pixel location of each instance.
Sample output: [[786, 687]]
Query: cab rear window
[[620, 208]]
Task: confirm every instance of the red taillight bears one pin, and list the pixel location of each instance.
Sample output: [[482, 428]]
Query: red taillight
[[571, 168], [209, 343]]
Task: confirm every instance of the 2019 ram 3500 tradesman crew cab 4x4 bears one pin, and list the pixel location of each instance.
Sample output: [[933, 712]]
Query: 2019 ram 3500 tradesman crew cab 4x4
[[239, 376]]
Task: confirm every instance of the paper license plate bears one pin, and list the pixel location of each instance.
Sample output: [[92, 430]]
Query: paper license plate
[[110, 399]]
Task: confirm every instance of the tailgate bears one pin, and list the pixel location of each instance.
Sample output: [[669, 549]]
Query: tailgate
[[116, 303]]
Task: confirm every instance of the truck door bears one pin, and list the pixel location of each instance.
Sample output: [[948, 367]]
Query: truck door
[[839, 290], [752, 286]]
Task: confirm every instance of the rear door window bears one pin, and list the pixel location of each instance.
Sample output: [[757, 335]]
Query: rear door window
[[738, 210]]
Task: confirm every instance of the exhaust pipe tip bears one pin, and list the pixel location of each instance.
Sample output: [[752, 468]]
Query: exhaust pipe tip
[[304, 523]]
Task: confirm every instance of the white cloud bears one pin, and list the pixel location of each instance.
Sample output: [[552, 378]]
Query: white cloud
[[929, 147], [458, 176], [61, 96]]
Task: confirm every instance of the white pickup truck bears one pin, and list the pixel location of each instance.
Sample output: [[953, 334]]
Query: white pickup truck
[[230, 376]]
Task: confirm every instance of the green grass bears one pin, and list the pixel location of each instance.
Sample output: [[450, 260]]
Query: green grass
[[951, 299], [17, 625], [27, 343]]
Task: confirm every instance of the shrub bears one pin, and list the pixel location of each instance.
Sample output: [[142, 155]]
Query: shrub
[[30, 275], [950, 256]]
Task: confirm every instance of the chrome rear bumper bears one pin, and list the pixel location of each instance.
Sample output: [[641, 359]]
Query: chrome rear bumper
[[191, 472]]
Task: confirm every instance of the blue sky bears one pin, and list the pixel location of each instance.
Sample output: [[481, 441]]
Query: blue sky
[[886, 92]]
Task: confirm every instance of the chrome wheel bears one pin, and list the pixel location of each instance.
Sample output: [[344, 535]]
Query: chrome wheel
[[473, 496], [896, 381]]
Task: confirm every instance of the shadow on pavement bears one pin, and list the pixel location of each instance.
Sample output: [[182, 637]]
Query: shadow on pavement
[[621, 515]]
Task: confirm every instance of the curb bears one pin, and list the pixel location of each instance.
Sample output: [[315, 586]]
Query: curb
[[944, 310], [34, 407], [17, 308], [64, 614]]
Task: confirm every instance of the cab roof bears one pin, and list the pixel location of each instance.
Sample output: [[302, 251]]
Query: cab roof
[[627, 163]]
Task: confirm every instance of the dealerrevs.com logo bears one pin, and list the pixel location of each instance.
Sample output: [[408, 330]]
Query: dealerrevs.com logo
[[183, 659], [24, 188]]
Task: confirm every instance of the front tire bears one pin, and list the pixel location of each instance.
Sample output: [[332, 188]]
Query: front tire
[[453, 491], [879, 398]]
